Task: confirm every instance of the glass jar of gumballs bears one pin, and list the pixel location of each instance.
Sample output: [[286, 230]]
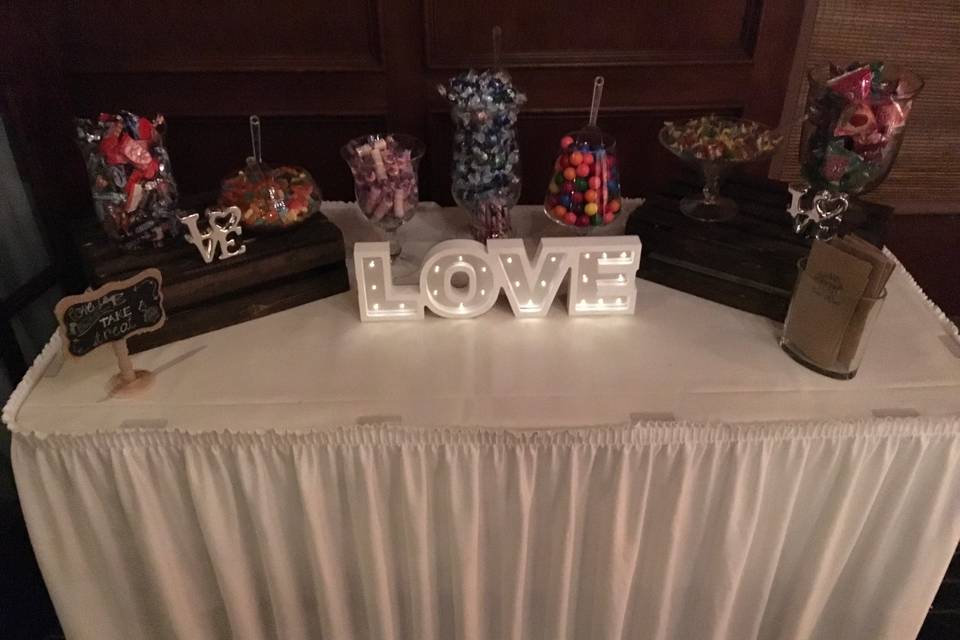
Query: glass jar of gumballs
[[584, 188]]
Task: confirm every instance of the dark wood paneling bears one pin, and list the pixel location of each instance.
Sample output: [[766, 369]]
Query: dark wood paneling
[[180, 36], [228, 94], [929, 245], [204, 149], [546, 33]]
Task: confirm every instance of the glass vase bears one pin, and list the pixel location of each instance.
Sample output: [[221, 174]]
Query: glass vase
[[584, 188], [854, 124], [486, 168], [385, 173]]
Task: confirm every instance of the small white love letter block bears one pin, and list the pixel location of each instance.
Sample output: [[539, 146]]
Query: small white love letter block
[[602, 278], [217, 234]]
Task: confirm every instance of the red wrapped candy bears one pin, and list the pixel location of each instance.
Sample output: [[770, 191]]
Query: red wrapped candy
[[891, 114], [856, 120], [853, 85]]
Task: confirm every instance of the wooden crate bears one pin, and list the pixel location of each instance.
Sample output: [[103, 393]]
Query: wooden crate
[[750, 262], [277, 271]]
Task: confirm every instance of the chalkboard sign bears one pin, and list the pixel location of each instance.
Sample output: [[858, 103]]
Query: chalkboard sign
[[113, 312]]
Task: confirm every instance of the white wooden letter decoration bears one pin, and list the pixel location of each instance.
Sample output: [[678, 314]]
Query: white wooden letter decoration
[[602, 278]]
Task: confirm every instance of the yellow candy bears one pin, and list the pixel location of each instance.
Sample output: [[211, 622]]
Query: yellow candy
[[553, 187], [590, 209]]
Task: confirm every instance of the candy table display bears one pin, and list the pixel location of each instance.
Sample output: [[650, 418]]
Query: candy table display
[[269, 198], [486, 155], [384, 168], [584, 187], [133, 190]]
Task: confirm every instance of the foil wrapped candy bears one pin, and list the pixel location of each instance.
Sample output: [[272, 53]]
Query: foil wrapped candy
[[133, 189], [486, 160]]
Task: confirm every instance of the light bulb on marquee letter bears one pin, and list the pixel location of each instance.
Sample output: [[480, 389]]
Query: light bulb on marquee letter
[[603, 277], [530, 288], [379, 298], [446, 260]]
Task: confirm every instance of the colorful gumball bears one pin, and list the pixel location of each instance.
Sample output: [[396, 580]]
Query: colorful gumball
[[585, 185]]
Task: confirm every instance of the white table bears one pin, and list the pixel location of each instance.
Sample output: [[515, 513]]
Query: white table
[[671, 474]]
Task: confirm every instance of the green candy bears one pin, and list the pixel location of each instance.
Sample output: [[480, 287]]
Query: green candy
[[558, 178], [580, 184]]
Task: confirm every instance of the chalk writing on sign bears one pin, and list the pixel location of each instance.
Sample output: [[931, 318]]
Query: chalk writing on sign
[[113, 312]]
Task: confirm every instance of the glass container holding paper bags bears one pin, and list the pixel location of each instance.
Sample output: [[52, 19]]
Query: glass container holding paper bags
[[836, 301]]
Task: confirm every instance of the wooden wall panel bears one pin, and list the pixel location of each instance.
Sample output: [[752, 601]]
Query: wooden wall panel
[[547, 33], [229, 94], [219, 35]]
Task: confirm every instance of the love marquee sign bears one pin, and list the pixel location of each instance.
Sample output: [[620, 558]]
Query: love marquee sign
[[602, 278]]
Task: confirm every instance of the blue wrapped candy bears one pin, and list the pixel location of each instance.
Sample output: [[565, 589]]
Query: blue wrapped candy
[[486, 157]]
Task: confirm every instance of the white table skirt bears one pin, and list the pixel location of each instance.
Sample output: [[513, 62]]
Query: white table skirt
[[778, 505]]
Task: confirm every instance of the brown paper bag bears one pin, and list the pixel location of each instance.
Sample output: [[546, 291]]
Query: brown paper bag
[[824, 301]]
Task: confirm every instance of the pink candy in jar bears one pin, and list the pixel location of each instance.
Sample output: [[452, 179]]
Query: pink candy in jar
[[384, 171]]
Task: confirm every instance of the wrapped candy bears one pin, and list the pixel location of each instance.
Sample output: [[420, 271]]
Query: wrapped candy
[[856, 120], [486, 158], [854, 124], [854, 85], [715, 138], [133, 189], [385, 176]]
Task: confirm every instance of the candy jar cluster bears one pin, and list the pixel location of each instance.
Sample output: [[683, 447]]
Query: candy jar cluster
[[584, 188]]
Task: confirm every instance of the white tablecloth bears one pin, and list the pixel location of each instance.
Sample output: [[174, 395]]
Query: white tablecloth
[[667, 475]]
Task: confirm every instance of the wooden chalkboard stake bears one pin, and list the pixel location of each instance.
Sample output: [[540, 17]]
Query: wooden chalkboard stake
[[123, 359], [129, 380], [151, 317]]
